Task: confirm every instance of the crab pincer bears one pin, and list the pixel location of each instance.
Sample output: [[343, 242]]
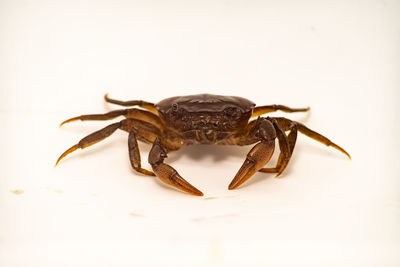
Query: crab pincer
[[256, 159], [166, 173]]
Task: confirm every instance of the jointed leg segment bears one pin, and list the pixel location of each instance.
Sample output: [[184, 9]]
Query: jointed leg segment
[[133, 113], [136, 128], [140, 103], [281, 164], [92, 139], [134, 154], [98, 117], [286, 125], [258, 111]]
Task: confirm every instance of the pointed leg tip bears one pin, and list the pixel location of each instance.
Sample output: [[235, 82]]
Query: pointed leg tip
[[345, 152], [69, 120], [283, 167], [58, 161], [341, 150], [71, 149]]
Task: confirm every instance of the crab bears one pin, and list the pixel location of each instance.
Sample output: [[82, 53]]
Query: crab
[[202, 119]]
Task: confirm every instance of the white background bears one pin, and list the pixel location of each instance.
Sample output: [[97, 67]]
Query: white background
[[58, 58]]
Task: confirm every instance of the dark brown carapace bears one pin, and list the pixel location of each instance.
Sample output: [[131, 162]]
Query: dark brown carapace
[[202, 119]]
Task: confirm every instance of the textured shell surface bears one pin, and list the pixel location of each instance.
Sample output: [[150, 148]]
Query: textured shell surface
[[205, 103]]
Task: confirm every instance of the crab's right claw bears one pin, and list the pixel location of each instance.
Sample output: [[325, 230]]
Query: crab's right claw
[[258, 156], [165, 172], [170, 176]]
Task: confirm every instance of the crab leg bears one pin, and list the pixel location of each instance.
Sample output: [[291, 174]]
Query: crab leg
[[134, 154], [281, 164], [140, 103], [134, 113], [266, 130], [143, 131], [165, 172], [285, 124], [137, 130], [258, 111], [284, 146], [97, 117], [91, 139]]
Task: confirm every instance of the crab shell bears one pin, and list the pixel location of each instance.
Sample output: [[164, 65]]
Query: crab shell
[[206, 113]]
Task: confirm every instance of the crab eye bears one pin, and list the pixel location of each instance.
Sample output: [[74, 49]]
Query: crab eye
[[174, 107]]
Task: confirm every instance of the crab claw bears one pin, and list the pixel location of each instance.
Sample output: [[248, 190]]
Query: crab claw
[[170, 176], [165, 172], [258, 156]]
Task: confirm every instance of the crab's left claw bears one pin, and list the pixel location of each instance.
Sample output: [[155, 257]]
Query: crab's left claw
[[256, 159]]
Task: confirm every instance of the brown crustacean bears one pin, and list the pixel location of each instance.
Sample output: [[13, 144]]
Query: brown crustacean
[[202, 119]]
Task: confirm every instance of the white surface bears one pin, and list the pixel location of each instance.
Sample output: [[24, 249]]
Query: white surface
[[59, 58]]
